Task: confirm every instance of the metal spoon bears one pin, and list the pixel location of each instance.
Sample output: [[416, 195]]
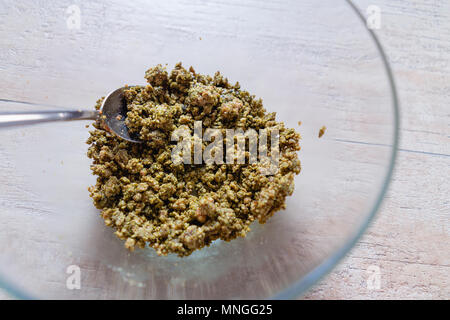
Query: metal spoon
[[113, 112]]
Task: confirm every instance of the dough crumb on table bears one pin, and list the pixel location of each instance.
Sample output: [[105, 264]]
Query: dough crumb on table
[[322, 131]]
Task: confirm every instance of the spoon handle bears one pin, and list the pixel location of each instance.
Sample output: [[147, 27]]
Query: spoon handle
[[22, 118]]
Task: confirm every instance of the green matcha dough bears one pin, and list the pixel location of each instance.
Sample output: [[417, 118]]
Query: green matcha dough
[[179, 208]]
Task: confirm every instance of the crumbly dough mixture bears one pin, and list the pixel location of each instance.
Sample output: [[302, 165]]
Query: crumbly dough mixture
[[149, 200], [322, 131]]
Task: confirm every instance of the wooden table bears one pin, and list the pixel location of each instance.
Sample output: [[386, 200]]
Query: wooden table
[[410, 240]]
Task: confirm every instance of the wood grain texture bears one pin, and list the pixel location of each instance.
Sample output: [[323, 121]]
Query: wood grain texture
[[410, 239]]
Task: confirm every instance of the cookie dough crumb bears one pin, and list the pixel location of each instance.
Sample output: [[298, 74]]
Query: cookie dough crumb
[[322, 131]]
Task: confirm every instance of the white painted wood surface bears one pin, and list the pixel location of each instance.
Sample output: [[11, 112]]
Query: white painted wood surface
[[410, 239]]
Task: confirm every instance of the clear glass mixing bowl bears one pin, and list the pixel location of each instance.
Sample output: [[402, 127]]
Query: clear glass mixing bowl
[[310, 61]]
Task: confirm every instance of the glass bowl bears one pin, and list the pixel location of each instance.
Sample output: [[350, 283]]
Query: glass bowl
[[314, 62]]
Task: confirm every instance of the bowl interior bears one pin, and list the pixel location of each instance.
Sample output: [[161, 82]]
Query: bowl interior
[[309, 61]]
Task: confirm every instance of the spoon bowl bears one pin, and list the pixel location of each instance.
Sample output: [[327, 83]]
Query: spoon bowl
[[113, 112]]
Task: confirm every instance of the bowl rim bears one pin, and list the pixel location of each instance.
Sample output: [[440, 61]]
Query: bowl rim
[[301, 286]]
